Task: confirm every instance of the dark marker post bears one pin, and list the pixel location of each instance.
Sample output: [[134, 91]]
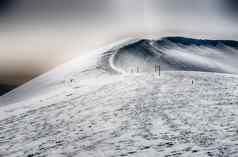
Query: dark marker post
[[157, 68]]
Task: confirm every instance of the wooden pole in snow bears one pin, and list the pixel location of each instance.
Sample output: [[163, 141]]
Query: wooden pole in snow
[[159, 70]]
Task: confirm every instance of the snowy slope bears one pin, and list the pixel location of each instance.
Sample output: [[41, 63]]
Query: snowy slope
[[95, 106], [133, 115], [171, 53], [177, 53], [58, 79]]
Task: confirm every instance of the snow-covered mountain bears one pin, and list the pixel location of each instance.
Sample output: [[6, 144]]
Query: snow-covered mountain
[[135, 55], [183, 54], [112, 102]]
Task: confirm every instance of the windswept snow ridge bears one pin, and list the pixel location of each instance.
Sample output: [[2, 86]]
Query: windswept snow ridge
[[135, 55], [62, 77], [180, 54]]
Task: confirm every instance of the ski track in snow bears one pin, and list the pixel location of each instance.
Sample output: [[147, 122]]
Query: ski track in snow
[[97, 109]]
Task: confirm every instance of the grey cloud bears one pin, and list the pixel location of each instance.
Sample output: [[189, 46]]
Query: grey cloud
[[56, 8], [101, 9], [7, 6], [231, 7]]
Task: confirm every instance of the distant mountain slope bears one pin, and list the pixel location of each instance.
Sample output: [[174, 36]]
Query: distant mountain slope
[[180, 54], [199, 42]]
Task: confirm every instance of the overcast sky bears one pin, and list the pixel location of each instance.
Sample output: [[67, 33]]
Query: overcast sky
[[37, 35]]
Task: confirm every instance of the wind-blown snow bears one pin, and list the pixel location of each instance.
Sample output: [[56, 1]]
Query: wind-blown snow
[[171, 53], [94, 106], [133, 115], [193, 55], [56, 80]]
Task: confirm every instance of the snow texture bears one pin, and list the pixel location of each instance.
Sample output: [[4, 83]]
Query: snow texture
[[95, 107]]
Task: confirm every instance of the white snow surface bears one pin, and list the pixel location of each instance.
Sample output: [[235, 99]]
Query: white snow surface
[[92, 107], [130, 115], [124, 57], [55, 80]]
